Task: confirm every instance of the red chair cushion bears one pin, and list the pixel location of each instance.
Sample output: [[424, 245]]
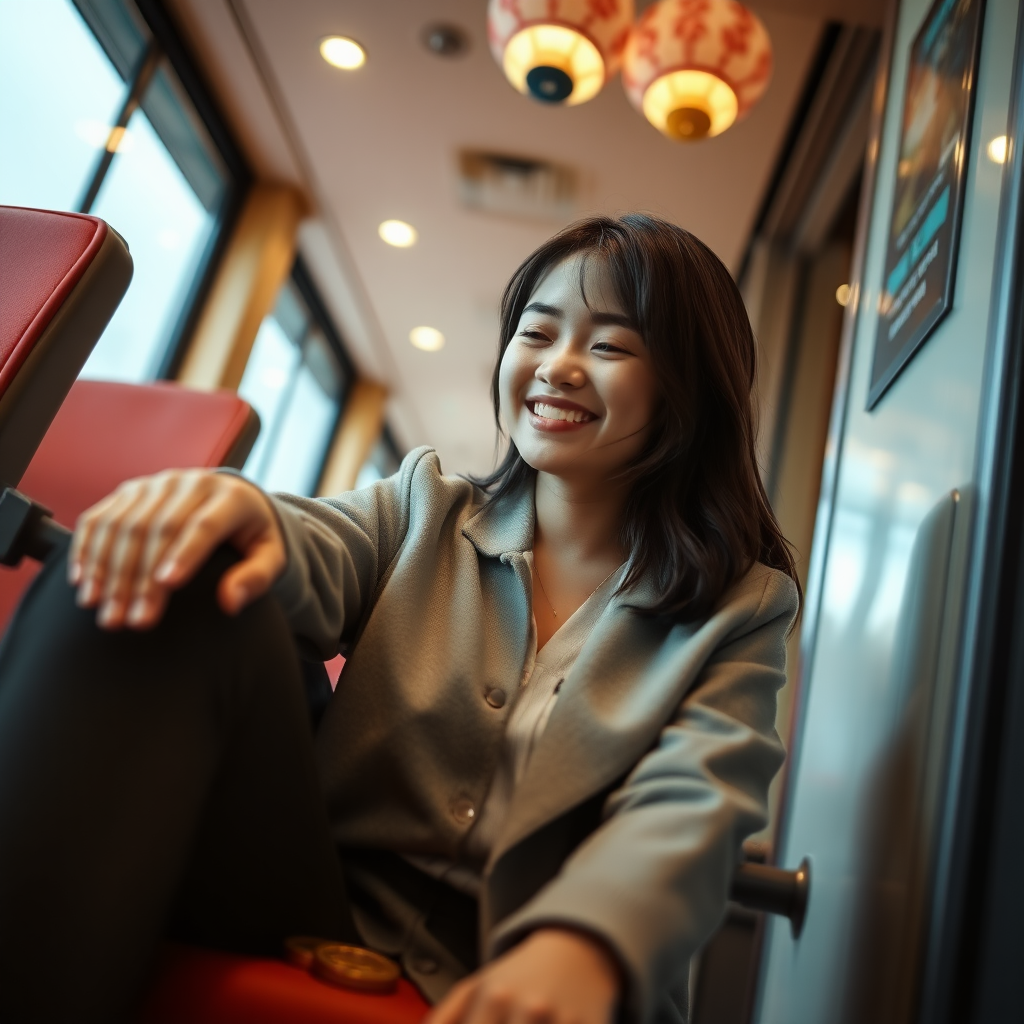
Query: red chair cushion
[[43, 255], [201, 986], [106, 433]]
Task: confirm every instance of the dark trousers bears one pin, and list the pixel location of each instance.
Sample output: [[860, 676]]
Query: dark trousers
[[152, 783]]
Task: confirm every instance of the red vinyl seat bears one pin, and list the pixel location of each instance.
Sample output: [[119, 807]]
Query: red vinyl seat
[[106, 433], [200, 986]]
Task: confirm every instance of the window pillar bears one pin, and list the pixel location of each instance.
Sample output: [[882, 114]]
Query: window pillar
[[361, 425], [255, 264]]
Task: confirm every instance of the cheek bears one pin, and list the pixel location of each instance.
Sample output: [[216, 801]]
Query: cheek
[[635, 397], [509, 373]]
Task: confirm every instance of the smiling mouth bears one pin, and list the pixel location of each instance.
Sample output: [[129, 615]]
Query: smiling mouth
[[553, 412]]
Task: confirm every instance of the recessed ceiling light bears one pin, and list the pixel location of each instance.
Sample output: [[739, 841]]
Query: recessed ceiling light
[[430, 339], [342, 52], [997, 150], [397, 233]]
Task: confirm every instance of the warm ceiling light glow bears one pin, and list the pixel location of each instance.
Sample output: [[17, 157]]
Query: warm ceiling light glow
[[397, 233], [997, 150], [690, 105], [692, 69], [843, 294], [554, 64], [342, 52], [430, 339], [558, 51]]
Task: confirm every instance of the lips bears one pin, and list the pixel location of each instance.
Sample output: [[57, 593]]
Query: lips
[[557, 414]]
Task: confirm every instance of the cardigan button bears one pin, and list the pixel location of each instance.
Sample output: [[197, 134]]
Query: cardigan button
[[424, 965], [496, 698], [464, 811]]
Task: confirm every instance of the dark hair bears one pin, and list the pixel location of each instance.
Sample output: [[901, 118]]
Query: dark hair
[[697, 515]]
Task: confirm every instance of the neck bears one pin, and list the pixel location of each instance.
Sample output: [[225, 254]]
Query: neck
[[580, 520]]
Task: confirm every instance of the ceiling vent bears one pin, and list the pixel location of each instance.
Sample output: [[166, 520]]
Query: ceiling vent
[[516, 186]]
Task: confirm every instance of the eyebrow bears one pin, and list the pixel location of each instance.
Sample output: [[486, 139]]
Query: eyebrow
[[599, 319]]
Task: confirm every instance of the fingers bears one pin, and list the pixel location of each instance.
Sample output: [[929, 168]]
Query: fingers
[[492, 1003], [94, 536], [153, 534], [452, 1009], [555, 976], [251, 578], [144, 525], [149, 594]]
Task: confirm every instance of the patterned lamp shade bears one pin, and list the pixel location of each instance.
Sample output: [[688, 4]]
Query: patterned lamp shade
[[559, 51], [692, 67]]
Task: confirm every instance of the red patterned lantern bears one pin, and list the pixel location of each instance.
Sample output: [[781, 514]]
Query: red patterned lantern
[[559, 51], [692, 67]]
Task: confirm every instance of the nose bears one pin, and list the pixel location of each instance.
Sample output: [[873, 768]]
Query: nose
[[561, 369]]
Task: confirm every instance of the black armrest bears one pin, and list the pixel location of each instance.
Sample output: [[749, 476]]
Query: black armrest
[[26, 529]]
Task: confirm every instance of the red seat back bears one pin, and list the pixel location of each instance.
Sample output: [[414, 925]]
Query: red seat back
[[106, 433], [63, 275]]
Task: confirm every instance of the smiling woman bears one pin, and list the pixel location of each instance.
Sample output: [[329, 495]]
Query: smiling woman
[[555, 724], [637, 324]]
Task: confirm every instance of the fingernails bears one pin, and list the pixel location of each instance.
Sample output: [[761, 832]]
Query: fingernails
[[108, 613], [165, 571], [87, 593], [138, 611], [74, 574]]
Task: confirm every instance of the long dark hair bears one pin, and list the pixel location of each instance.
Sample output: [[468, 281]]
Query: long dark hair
[[697, 515]]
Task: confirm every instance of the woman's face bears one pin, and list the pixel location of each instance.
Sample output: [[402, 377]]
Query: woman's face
[[578, 392]]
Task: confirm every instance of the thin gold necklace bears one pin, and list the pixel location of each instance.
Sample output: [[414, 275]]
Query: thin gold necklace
[[543, 589]]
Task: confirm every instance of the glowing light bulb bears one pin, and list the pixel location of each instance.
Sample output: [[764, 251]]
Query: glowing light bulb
[[397, 233], [554, 64], [342, 52], [843, 293], [690, 105], [997, 150], [429, 339]]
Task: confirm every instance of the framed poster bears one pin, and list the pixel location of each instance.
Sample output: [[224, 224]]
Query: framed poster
[[924, 227]]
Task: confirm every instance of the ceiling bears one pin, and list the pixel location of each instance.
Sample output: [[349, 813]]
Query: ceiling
[[382, 143]]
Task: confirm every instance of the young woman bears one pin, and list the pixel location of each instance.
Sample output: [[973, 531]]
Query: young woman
[[554, 728]]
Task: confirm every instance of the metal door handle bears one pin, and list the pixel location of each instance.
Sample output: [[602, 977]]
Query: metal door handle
[[760, 887]]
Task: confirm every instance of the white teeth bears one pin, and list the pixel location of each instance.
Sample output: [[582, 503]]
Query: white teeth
[[553, 412]]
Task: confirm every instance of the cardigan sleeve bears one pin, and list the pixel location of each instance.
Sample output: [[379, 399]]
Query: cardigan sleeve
[[652, 881], [338, 551]]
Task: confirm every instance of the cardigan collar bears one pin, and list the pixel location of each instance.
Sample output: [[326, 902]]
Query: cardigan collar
[[503, 527]]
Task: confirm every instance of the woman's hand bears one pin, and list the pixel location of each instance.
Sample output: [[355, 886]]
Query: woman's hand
[[556, 976], [153, 534]]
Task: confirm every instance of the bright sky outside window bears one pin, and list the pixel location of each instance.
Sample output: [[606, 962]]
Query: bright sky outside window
[[58, 94], [167, 240], [66, 72], [295, 381]]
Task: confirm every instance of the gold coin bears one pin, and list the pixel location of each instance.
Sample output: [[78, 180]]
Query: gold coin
[[353, 967], [299, 950]]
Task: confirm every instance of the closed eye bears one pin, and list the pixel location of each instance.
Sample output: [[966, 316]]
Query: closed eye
[[536, 335]]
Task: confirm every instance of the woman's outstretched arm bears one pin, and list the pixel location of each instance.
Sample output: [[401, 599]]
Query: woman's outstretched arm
[[322, 557]]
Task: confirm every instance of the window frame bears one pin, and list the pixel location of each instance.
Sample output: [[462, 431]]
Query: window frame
[[238, 172], [307, 289]]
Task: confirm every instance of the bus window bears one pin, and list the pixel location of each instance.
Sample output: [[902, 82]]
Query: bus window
[[68, 73]]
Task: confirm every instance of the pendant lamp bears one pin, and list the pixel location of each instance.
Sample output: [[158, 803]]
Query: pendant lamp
[[559, 51], [693, 67]]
